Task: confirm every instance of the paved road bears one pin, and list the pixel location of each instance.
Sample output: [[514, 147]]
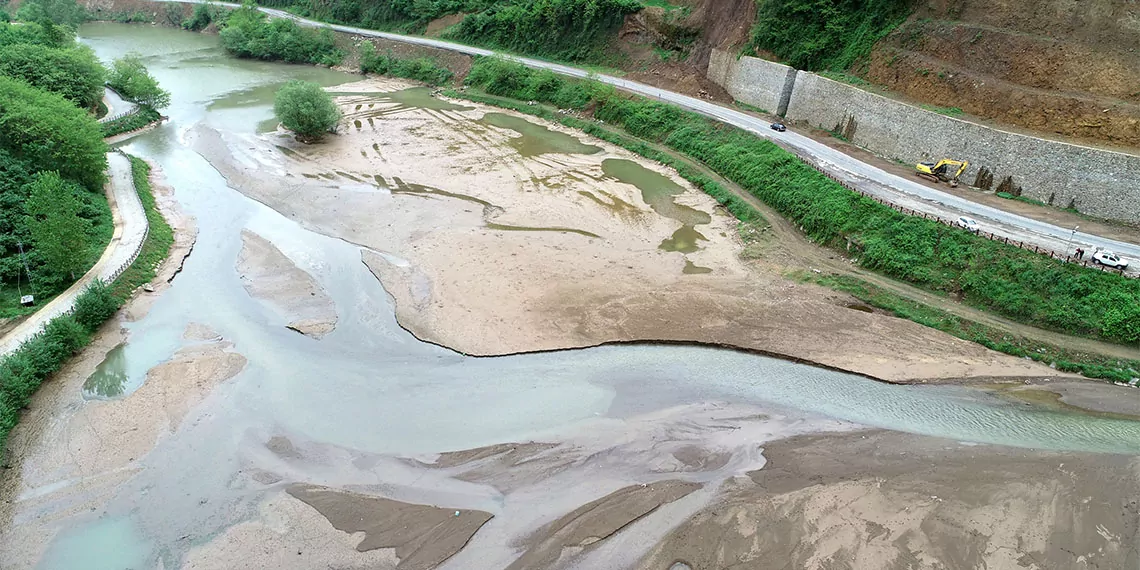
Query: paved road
[[116, 105], [893, 188], [130, 232]]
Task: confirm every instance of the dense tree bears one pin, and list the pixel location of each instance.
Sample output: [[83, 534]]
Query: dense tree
[[47, 132], [306, 109], [74, 73], [46, 34], [59, 233], [66, 12], [131, 79], [249, 33]]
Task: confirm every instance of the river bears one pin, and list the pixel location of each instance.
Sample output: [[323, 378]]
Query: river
[[371, 387]]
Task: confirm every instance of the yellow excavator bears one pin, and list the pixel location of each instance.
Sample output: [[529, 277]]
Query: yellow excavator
[[945, 170]]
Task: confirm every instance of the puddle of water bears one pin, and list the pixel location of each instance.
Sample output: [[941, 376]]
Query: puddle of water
[[656, 189], [691, 269], [532, 229], [537, 139], [659, 191], [110, 377], [684, 240], [861, 308], [110, 543]]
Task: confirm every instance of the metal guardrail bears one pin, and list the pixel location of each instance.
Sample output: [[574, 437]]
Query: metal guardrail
[[122, 115], [990, 236]]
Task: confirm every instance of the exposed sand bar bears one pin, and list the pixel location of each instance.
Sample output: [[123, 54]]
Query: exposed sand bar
[[268, 275], [498, 239]]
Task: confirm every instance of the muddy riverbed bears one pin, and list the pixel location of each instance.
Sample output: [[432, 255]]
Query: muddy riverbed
[[270, 408]]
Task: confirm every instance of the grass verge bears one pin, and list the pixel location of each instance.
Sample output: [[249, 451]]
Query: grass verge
[[145, 116]]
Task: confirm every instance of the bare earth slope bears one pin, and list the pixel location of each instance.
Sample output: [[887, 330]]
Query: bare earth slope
[[1055, 66]]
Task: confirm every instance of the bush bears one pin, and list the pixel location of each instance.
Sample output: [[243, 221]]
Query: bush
[[421, 69], [130, 78], [95, 305], [306, 109], [199, 19], [249, 33], [1005, 279], [74, 73], [824, 34]]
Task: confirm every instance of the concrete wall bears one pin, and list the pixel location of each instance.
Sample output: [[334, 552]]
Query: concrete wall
[[758, 82], [1097, 182]]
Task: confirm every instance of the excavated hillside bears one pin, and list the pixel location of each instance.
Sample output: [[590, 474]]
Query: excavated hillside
[[1067, 67]]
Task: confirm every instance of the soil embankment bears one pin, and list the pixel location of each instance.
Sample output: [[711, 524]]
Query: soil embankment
[[497, 233]]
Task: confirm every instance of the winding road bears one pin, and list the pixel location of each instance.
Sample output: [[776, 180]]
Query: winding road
[[871, 179]]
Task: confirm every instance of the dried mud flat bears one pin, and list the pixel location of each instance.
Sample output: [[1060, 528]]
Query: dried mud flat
[[500, 239]]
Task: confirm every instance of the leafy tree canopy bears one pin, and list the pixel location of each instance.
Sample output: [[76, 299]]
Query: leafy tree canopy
[[131, 79], [59, 233], [74, 73], [48, 132], [306, 109]]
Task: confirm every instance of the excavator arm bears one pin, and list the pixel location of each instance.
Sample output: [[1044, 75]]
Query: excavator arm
[[945, 170]]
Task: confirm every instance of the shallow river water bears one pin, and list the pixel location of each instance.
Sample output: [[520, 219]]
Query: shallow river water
[[372, 387]]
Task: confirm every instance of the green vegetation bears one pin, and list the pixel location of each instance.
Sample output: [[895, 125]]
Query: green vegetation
[[158, 240], [251, 34], [127, 123], [1007, 280], [52, 206], [421, 69], [202, 16], [824, 34], [130, 78], [24, 370], [1090, 365], [306, 109], [75, 73], [59, 12], [47, 132], [568, 30], [58, 231]]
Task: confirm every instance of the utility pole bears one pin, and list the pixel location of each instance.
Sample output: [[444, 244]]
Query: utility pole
[[1070, 244]]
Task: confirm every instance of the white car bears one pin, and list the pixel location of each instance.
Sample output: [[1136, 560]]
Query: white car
[[1109, 259], [968, 224]]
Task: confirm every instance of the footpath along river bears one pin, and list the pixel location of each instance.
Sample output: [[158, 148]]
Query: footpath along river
[[341, 407]]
